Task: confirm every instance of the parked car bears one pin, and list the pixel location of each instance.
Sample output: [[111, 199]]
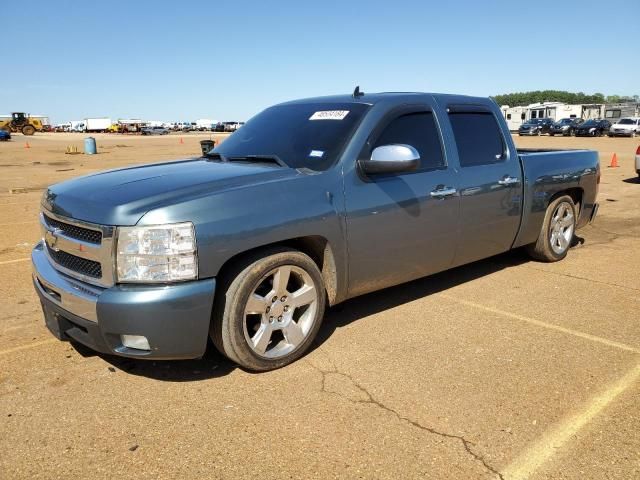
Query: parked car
[[154, 131], [535, 126], [219, 127], [249, 243], [593, 128], [231, 126], [565, 127], [5, 135], [625, 127], [638, 161]]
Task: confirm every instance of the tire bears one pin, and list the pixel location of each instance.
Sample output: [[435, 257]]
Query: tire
[[28, 130], [538, 133], [552, 134], [256, 322], [557, 231], [633, 134]]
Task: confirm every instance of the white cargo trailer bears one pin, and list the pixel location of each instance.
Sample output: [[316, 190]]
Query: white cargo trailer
[[97, 124]]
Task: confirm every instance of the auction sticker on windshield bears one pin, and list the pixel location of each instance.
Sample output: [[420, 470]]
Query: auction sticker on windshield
[[329, 115]]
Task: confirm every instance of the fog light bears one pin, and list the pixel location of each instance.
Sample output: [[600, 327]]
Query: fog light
[[135, 341]]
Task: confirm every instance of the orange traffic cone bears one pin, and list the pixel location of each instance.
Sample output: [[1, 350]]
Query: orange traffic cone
[[614, 161], [26, 145], [181, 141]]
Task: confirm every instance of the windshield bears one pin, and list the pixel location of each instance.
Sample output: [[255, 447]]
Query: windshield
[[590, 123], [566, 121], [534, 121], [309, 135], [627, 121]]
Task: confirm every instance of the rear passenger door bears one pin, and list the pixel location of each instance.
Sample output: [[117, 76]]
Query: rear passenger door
[[490, 184]]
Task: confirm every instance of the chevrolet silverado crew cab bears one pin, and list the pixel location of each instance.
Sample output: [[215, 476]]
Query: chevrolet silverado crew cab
[[312, 202]]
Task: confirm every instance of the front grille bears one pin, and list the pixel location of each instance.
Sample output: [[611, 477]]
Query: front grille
[[73, 231], [76, 264]]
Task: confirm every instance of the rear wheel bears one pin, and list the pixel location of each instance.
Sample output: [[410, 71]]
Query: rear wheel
[[269, 310], [557, 231], [28, 130]]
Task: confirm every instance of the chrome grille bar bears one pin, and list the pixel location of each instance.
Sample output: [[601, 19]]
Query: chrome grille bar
[[58, 233]]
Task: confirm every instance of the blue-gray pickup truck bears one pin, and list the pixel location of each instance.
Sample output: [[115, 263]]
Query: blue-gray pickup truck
[[311, 203]]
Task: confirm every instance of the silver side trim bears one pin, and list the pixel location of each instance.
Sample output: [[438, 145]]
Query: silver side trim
[[74, 297], [103, 253]]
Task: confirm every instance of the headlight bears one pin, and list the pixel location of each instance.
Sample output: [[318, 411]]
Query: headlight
[[159, 253]]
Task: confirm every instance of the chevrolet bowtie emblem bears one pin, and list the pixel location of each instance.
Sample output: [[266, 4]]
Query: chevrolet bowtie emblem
[[51, 236]]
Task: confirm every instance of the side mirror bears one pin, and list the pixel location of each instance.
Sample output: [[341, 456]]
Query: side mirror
[[396, 158]]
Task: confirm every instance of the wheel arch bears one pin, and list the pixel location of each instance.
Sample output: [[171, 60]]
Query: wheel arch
[[316, 247], [576, 194]]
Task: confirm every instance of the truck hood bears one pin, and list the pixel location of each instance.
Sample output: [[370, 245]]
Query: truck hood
[[123, 196]]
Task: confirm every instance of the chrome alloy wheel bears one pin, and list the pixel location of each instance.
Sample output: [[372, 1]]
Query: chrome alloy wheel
[[280, 312], [561, 227]]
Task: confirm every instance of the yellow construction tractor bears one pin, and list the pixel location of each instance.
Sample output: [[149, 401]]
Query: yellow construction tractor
[[20, 122]]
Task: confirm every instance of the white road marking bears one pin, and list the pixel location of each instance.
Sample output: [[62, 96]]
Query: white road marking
[[537, 453], [540, 323]]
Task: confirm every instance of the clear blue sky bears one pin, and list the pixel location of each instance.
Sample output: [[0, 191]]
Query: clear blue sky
[[226, 60]]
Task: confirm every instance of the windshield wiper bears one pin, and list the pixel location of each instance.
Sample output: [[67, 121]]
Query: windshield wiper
[[259, 159]]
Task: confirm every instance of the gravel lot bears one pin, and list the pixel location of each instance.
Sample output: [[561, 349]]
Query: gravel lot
[[505, 368]]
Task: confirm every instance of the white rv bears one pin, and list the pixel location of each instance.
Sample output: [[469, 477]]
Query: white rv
[[514, 116], [615, 112], [553, 110]]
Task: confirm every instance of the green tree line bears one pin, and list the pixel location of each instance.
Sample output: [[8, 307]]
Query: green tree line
[[539, 96]]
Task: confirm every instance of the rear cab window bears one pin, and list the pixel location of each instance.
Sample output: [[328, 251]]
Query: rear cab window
[[478, 136]]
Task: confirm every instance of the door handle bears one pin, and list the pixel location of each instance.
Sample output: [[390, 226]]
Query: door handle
[[508, 180], [443, 192]]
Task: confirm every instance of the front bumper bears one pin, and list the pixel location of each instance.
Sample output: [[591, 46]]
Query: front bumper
[[620, 133], [528, 132], [174, 318]]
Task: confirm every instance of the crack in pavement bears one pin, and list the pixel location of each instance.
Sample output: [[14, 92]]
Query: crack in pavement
[[371, 400]]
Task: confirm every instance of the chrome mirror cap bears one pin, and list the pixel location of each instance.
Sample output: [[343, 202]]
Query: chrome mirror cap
[[395, 158]]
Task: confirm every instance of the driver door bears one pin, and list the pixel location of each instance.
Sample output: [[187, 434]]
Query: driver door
[[402, 226]]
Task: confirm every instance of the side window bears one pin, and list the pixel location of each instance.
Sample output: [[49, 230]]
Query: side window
[[418, 130], [478, 138], [508, 116]]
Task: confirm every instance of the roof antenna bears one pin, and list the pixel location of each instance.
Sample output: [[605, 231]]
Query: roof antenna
[[357, 93]]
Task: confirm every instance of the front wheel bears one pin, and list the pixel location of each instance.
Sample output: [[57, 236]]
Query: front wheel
[[28, 130], [557, 231], [269, 310]]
